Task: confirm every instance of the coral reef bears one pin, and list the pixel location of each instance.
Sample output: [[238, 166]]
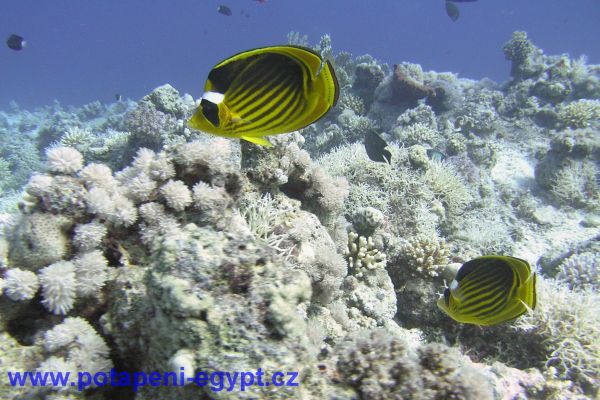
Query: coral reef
[[143, 246]]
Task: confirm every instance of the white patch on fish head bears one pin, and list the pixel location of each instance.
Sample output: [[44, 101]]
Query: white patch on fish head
[[453, 285], [213, 97], [454, 290]]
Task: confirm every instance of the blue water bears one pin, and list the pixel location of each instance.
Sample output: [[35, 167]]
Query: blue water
[[81, 51]]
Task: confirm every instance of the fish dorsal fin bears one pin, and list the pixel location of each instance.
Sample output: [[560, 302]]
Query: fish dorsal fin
[[257, 140]]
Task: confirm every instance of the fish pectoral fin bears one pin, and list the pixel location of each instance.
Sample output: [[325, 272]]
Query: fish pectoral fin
[[529, 309], [237, 120], [257, 140]]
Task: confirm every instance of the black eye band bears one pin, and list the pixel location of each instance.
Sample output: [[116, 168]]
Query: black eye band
[[447, 297], [210, 111]]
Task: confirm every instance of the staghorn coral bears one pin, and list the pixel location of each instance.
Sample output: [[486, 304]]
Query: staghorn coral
[[565, 323], [417, 133], [447, 186]]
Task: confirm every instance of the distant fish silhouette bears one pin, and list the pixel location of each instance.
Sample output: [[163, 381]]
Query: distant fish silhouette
[[15, 42], [462, 1], [261, 1], [452, 10], [376, 148], [436, 155], [224, 10]]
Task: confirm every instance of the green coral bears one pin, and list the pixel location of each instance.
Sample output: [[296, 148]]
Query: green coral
[[519, 50], [582, 113]]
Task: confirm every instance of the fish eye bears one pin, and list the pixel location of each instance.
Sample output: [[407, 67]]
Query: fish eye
[[210, 111]]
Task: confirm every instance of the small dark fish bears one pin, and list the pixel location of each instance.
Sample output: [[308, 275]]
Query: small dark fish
[[261, 1], [224, 10], [462, 1], [376, 148], [435, 155], [16, 42], [118, 97], [452, 10]]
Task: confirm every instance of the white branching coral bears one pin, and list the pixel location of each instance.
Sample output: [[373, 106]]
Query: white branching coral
[[58, 286], [447, 186], [212, 152], [177, 195], [207, 197], [89, 236], [20, 285], [76, 342], [57, 365], [141, 187], [92, 272], [39, 184], [98, 175], [114, 207], [143, 159], [64, 160], [161, 168]]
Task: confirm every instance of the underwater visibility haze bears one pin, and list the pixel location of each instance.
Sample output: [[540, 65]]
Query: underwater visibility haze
[[268, 199]]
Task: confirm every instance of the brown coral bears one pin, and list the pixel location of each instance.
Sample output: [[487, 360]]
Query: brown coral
[[406, 89]]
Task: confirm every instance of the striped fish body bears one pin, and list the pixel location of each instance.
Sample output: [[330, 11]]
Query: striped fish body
[[490, 290], [266, 91]]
